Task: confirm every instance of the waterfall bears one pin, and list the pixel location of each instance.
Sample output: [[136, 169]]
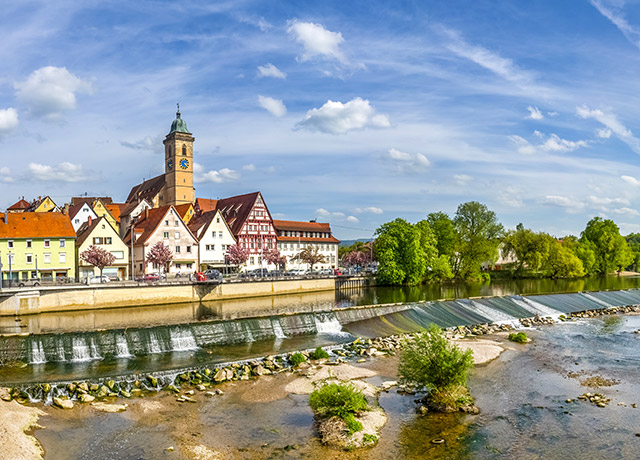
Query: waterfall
[[492, 314], [154, 345], [277, 328], [122, 347], [60, 355], [182, 340], [330, 325], [595, 299], [37, 352], [535, 307], [82, 351]]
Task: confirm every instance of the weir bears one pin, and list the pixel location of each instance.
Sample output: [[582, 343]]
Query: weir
[[122, 351]]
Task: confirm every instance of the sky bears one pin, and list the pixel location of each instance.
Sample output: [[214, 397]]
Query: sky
[[352, 113]]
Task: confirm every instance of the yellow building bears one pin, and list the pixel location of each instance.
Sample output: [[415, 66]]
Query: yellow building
[[102, 234]]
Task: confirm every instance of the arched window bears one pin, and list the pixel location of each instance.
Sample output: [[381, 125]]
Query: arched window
[[184, 150]]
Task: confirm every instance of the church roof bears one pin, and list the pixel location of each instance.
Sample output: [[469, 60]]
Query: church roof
[[146, 190], [179, 125]]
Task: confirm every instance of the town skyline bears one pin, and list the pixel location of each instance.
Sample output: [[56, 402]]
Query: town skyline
[[347, 114]]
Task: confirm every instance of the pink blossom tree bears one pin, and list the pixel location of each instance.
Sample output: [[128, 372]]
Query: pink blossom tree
[[97, 257], [310, 255], [236, 255], [160, 255], [273, 256], [354, 258]]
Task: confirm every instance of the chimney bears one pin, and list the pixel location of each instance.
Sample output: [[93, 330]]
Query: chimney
[[6, 218], [89, 221], [146, 213]]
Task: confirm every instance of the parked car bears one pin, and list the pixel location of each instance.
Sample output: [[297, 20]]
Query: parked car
[[213, 275], [296, 272], [29, 282], [259, 273], [98, 279], [325, 272], [149, 277]]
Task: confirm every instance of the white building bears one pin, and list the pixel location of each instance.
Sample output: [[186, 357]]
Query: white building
[[294, 236], [81, 213], [214, 237]]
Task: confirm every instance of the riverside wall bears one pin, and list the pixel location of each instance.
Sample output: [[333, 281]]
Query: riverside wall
[[58, 299]]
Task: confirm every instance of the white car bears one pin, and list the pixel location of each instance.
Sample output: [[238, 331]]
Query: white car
[[99, 279]]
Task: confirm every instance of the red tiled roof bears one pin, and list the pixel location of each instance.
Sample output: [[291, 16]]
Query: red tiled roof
[[114, 209], [146, 190], [20, 205], [236, 209], [75, 209], [36, 225], [148, 222], [205, 205], [302, 239], [90, 199], [182, 209], [302, 226]]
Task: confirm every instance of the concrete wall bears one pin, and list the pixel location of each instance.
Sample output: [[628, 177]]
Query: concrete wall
[[54, 299]]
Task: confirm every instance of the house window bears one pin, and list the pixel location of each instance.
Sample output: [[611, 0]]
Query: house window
[[177, 235], [219, 234], [166, 235], [188, 248], [28, 244], [64, 242], [85, 210], [178, 266], [184, 150], [103, 227], [47, 258], [224, 246], [96, 240], [252, 260], [177, 249], [166, 222], [63, 257], [175, 224], [107, 240], [29, 258], [118, 254], [10, 244], [213, 234], [47, 243], [77, 221], [189, 266], [217, 220]]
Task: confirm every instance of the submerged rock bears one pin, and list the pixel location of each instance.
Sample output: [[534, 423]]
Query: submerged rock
[[62, 403]]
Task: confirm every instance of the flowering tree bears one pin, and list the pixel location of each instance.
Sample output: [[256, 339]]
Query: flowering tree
[[354, 258], [97, 257], [273, 256], [160, 255], [236, 255], [310, 255]]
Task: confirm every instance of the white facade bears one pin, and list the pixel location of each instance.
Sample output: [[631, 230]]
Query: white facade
[[125, 221], [214, 239], [291, 249], [82, 216]]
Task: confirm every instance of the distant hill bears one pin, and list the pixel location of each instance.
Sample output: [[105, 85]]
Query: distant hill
[[350, 242]]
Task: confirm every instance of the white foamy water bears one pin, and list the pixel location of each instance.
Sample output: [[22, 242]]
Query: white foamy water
[[122, 347], [154, 344], [60, 355], [492, 314], [535, 307], [277, 329], [82, 351], [595, 299], [182, 340], [328, 325], [37, 353]]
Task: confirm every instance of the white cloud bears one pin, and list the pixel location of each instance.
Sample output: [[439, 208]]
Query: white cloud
[[339, 118], [317, 41], [462, 179], [405, 162], [353, 219], [534, 113], [64, 172], [322, 212], [616, 16], [604, 133], [511, 197], [502, 67], [371, 209], [571, 205], [274, 106], [146, 143], [626, 211], [269, 70], [220, 176], [600, 201], [631, 180], [5, 175], [611, 122], [8, 120], [552, 114], [336, 215], [553, 143], [249, 167], [49, 91]]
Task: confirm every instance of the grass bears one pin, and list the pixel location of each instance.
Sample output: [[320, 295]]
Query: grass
[[297, 359], [342, 400], [519, 337], [319, 353]]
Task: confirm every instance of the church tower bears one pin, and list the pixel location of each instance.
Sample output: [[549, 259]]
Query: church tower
[[178, 164]]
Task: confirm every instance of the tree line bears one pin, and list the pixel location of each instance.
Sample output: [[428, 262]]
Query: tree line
[[441, 247]]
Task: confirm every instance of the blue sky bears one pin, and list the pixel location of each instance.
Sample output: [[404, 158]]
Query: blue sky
[[350, 112]]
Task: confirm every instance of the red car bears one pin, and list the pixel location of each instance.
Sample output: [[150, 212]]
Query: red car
[[149, 277]]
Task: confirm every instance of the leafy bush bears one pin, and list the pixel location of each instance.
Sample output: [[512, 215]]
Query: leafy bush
[[353, 425], [519, 337], [429, 360], [319, 353], [369, 438], [296, 359], [337, 399]]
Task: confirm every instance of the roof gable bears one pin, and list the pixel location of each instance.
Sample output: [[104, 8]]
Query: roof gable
[[85, 231], [147, 190]]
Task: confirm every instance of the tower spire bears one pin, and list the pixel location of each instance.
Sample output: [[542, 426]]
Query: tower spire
[[178, 112]]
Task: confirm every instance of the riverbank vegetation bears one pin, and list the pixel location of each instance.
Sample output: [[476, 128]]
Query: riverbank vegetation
[[429, 361], [473, 246]]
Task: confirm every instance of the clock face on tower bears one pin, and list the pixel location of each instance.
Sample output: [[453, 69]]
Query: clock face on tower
[[184, 163], [170, 165]]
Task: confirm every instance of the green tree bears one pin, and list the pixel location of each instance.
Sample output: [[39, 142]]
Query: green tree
[[561, 262], [610, 249], [444, 231], [479, 234], [528, 247], [583, 250]]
